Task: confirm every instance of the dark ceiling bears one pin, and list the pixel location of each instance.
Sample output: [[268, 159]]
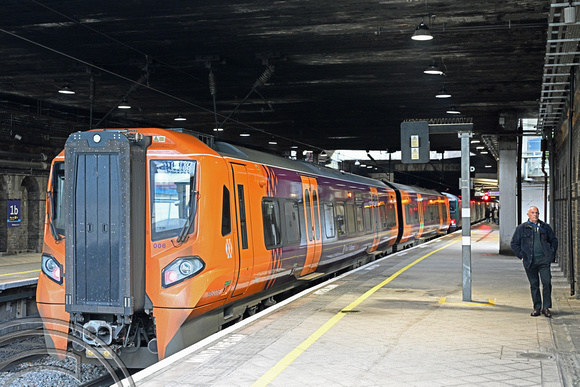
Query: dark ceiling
[[326, 74]]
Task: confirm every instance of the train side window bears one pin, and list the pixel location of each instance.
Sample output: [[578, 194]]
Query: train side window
[[391, 215], [433, 211], [368, 224], [316, 214], [271, 220], [383, 216], [226, 216], [452, 205], [359, 219], [243, 221], [329, 220], [292, 221], [350, 218], [57, 197], [307, 208], [340, 221], [412, 213]]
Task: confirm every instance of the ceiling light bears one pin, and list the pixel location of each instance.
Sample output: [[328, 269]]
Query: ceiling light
[[357, 162], [422, 32], [488, 166], [218, 129], [475, 141], [124, 104], [244, 134], [180, 117], [323, 154], [479, 147], [453, 110], [483, 152], [433, 69], [443, 93], [294, 147], [66, 90], [272, 142]]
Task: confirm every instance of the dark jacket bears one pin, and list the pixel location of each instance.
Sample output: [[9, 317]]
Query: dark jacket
[[523, 242]]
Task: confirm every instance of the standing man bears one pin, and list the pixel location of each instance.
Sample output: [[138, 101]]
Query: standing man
[[535, 244]]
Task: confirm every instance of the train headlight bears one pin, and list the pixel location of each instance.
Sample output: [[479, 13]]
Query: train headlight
[[52, 268], [180, 270]]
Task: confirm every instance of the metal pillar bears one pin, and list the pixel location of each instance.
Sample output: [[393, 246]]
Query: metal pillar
[[465, 214]]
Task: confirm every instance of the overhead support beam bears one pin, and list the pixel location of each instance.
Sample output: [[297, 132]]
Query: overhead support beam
[[563, 40]]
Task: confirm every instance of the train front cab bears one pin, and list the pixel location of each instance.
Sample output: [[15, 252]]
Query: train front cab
[[163, 206]]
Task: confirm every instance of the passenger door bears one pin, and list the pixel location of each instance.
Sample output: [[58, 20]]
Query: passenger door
[[245, 249], [312, 223]]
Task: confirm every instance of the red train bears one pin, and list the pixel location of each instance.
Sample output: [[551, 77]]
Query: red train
[[154, 240]]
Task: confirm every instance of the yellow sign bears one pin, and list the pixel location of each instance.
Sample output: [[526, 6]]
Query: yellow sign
[[414, 153]]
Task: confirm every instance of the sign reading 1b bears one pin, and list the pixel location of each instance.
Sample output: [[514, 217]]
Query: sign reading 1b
[[415, 142]]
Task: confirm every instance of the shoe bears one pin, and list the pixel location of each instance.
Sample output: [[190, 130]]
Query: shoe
[[546, 312], [536, 313]]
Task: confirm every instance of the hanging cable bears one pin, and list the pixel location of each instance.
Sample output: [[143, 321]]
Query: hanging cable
[[262, 79], [213, 92]]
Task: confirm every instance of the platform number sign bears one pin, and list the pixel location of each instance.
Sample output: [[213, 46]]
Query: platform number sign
[[13, 213]]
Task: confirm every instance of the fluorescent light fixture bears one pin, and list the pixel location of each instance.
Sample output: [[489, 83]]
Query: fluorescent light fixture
[[422, 32], [453, 110], [443, 93], [124, 104], [66, 90], [433, 69]]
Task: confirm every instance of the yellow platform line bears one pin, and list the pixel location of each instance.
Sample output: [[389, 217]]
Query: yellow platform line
[[293, 355], [22, 272]]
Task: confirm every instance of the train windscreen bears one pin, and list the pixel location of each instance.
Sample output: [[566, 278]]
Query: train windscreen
[[173, 188]]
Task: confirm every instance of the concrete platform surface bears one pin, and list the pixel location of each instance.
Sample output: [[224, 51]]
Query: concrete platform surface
[[399, 321], [19, 268]]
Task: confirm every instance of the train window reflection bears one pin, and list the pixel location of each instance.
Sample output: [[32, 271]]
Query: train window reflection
[[340, 221], [350, 218], [292, 221], [56, 197], [172, 185], [271, 220], [329, 219]]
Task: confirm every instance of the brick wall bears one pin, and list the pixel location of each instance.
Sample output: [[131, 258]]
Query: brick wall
[[566, 194], [31, 191]]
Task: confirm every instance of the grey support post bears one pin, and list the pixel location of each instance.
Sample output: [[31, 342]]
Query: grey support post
[[465, 214]]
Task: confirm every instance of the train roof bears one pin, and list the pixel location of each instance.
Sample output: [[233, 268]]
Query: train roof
[[239, 152], [409, 188]]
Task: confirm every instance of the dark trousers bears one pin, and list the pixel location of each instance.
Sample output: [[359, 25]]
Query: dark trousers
[[535, 274]]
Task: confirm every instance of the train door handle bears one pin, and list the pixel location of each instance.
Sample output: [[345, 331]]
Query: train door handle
[[89, 227], [105, 227]]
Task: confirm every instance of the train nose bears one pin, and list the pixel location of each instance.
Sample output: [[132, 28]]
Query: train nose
[[99, 329]]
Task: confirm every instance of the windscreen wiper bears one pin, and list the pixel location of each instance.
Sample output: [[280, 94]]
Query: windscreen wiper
[[189, 223], [51, 226], [193, 198]]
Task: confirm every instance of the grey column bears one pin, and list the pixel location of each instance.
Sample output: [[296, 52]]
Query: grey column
[[507, 174], [465, 214]]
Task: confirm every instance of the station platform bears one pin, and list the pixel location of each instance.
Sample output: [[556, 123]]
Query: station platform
[[19, 269], [398, 321]]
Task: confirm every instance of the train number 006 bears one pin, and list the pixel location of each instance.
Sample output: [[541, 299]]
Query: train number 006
[[159, 245]]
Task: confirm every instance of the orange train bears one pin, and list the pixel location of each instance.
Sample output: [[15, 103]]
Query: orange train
[[154, 240]]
